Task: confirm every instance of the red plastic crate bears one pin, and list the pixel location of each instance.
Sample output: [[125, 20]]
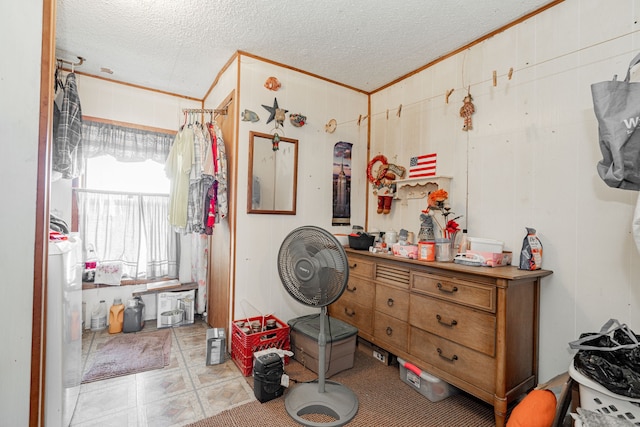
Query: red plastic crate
[[244, 345]]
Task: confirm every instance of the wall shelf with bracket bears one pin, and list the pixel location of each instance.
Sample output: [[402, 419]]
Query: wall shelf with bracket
[[419, 188]]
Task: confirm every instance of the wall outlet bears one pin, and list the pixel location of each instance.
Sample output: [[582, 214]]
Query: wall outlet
[[381, 357]]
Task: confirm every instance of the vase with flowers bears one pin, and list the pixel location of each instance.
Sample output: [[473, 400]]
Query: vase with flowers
[[437, 203]]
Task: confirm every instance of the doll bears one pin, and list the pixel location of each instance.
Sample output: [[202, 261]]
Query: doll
[[384, 181], [385, 189]]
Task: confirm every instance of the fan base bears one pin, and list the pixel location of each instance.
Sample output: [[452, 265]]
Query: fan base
[[337, 402]]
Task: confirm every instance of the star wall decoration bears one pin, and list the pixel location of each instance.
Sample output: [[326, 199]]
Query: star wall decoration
[[276, 113]]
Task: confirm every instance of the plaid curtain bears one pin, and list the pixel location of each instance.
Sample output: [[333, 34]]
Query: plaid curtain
[[123, 143]]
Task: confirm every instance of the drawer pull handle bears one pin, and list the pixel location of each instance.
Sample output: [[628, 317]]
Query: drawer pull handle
[[450, 359], [390, 302], [349, 313], [389, 330], [452, 323], [449, 291], [355, 264], [351, 289]]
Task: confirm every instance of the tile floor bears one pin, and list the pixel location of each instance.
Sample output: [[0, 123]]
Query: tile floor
[[185, 391]]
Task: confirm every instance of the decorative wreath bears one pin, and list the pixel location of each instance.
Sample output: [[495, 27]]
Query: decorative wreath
[[384, 165]]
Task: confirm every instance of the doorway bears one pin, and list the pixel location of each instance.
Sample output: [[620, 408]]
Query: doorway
[[222, 241], [220, 294]]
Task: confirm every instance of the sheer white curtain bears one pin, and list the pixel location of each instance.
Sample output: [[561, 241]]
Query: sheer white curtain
[[131, 228], [163, 250]]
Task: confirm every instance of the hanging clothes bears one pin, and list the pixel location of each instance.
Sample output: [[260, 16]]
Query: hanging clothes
[[216, 194], [222, 207], [195, 203], [197, 168], [209, 184], [67, 141], [178, 169]]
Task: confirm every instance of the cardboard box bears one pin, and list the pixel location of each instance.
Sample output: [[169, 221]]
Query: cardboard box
[[169, 303], [485, 245], [340, 348], [405, 251]]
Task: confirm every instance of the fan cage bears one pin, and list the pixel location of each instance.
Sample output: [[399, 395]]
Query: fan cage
[[316, 248]]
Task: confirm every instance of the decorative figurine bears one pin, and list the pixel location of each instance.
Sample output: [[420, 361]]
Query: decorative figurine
[[466, 111], [275, 141], [250, 116], [298, 120], [384, 181], [426, 228], [272, 84], [276, 113], [331, 125]]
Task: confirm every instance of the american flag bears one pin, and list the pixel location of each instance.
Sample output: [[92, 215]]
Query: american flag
[[422, 166]]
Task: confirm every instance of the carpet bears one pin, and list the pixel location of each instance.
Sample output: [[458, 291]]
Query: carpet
[[127, 354], [384, 400]]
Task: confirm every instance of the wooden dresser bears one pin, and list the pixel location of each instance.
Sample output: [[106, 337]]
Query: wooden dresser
[[473, 327]]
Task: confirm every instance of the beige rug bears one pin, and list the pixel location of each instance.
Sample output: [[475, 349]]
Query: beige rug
[[127, 354], [384, 400]]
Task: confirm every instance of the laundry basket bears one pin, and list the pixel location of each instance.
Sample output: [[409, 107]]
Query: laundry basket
[[596, 398]]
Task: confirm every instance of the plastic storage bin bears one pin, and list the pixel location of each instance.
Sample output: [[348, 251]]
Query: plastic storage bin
[[340, 348], [361, 241], [596, 398], [427, 385], [244, 343]]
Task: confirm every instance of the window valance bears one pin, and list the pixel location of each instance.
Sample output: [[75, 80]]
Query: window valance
[[123, 143]]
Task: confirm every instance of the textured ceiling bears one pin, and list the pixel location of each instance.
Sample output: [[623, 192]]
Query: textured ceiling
[[180, 46]]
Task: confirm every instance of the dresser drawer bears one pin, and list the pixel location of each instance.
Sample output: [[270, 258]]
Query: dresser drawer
[[390, 331], [472, 294], [393, 274], [354, 314], [468, 365], [471, 328], [362, 267], [359, 291], [393, 302]]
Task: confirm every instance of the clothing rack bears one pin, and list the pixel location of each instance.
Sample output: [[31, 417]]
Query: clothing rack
[[222, 111], [73, 64]]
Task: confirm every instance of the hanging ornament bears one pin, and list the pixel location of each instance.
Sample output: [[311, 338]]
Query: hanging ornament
[[331, 125], [276, 113], [272, 84], [275, 141], [298, 120], [466, 111], [250, 116]]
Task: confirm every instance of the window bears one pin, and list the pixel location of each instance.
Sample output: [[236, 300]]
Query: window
[[108, 174], [122, 210]]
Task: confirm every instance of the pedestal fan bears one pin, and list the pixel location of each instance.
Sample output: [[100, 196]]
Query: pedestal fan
[[313, 269]]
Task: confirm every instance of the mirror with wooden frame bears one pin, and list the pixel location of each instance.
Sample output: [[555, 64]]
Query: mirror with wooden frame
[[273, 175]]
